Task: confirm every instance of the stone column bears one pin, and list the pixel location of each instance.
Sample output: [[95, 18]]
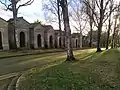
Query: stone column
[[5, 43], [43, 43], [17, 38]]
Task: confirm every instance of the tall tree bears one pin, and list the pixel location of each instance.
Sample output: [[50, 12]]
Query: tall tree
[[78, 18], [89, 12], [100, 15], [114, 31], [64, 5], [14, 5], [109, 23], [53, 13], [59, 20]]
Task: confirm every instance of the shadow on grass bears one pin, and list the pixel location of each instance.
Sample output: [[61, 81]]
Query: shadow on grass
[[66, 76]]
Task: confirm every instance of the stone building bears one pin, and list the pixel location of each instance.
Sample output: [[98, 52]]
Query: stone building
[[4, 35], [41, 36], [77, 40], [37, 34], [49, 36], [33, 35], [59, 44], [22, 33]]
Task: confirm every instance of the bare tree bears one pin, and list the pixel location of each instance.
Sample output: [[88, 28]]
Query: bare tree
[[55, 13], [78, 18], [115, 30], [14, 6], [109, 23], [89, 12], [64, 5], [100, 15]]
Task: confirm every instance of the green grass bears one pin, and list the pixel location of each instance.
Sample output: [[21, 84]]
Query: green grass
[[8, 54], [93, 71], [18, 64], [4, 84]]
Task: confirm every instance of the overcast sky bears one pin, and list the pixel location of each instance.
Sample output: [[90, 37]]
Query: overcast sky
[[31, 13]]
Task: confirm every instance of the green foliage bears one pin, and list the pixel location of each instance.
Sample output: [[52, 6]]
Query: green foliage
[[37, 21]]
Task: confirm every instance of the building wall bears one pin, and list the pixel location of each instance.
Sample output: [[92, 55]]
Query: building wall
[[21, 26], [77, 40], [39, 30], [31, 35], [49, 33], [4, 34]]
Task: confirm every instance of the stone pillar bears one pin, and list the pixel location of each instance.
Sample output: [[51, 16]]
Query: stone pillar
[[17, 35], [43, 43], [58, 46], [5, 43], [26, 39], [80, 41], [35, 41], [48, 44]]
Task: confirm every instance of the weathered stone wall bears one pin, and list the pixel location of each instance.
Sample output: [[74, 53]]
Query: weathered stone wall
[[50, 32], [4, 34], [57, 39], [77, 40], [21, 26], [39, 30], [49, 38]]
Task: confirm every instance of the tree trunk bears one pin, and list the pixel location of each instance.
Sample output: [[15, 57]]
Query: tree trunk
[[14, 22], [108, 33], [98, 38], [64, 5], [59, 19], [100, 26], [113, 37], [90, 44]]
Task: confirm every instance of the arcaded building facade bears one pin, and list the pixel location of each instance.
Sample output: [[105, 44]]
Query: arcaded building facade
[[33, 36], [22, 33]]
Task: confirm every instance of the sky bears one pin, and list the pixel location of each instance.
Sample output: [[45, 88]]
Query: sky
[[31, 13]]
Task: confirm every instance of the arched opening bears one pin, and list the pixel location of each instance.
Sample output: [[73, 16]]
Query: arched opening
[[39, 41], [64, 41], [1, 41], [59, 42], [22, 39], [76, 43], [51, 41]]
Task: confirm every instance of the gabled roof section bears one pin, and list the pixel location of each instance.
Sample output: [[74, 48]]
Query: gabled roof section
[[34, 25], [47, 27], [74, 35], [19, 18], [3, 23], [3, 19]]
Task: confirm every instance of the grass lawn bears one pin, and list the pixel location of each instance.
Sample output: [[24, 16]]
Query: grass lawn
[[8, 54], [48, 58], [4, 84], [21, 63], [92, 71]]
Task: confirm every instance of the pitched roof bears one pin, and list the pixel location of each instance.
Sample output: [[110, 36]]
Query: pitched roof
[[18, 18], [3, 19]]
